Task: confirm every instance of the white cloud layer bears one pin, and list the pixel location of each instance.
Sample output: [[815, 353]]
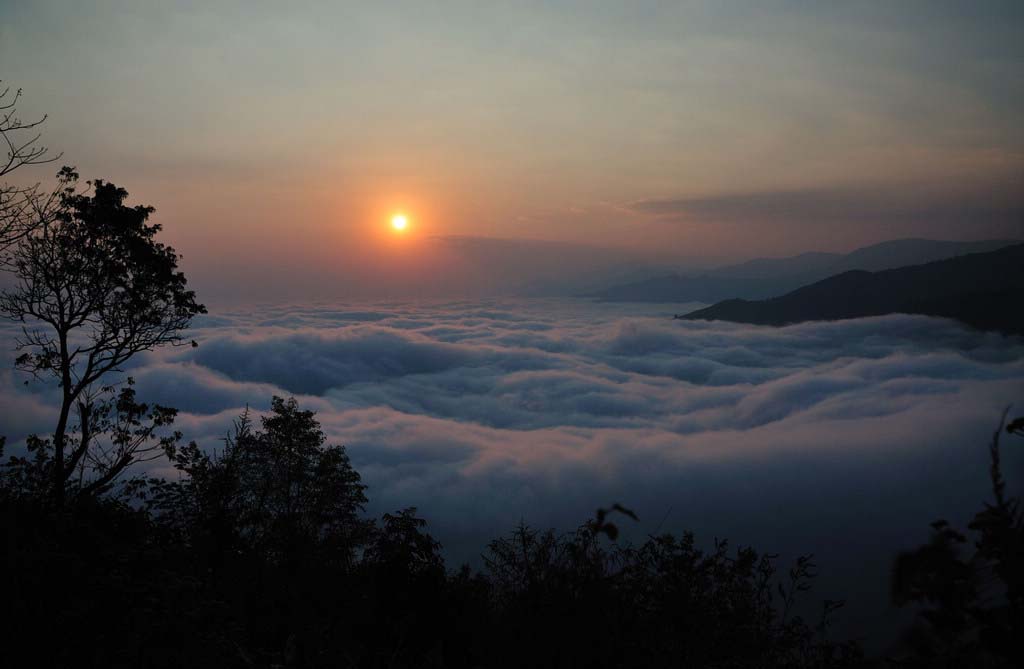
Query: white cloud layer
[[843, 439]]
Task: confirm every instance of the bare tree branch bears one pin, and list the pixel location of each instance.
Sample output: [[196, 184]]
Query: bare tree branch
[[20, 206]]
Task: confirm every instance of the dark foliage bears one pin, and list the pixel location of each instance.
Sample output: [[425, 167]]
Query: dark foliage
[[114, 432], [92, 288], [276, 492], [971, 601], [578, 600], [258, 556]]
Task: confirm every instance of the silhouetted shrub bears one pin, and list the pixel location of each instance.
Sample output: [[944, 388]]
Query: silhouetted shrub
[[257, 556], [971, 602], [579, 600]]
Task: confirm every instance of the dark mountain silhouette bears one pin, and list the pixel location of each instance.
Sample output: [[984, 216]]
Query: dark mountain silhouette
[[979, 289], [769, 277]]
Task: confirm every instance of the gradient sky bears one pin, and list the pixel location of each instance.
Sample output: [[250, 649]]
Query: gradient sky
[[276, 138]]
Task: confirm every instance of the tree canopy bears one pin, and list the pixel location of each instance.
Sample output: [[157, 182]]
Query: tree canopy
[[93, 287], [279, 491]]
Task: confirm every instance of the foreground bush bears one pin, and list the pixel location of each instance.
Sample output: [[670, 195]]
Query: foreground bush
[[970, 602], [258, 556]]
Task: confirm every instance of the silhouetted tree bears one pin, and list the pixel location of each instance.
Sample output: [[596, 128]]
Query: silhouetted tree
[[972, 605], [113, 432], [279, 492], [402, 584], [20, 206], [273, 520], [93, 288], [575, 600], [402, 545], [257, 556]]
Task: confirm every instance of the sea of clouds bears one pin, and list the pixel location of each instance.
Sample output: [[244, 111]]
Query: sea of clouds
[[842, 439]]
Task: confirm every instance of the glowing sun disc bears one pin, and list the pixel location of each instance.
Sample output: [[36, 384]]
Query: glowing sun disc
[[399, 222]]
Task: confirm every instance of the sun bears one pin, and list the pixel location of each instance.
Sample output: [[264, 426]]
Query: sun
[[399, 222]]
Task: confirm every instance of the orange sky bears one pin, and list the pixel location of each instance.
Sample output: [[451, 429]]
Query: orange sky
[[285, 137]]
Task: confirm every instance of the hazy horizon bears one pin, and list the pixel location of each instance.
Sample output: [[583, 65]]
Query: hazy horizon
[[276, 142]]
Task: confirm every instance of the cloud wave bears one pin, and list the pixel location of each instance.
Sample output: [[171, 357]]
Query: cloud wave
[[843, 439]]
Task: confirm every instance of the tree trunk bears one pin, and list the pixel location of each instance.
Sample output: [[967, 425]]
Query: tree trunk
[[67, 399], [58, 450]]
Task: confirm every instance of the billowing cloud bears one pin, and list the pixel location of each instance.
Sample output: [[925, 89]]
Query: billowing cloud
[[843, 439]]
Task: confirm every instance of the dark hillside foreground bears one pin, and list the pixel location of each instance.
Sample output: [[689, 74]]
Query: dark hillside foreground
[[258, 556], [980, 289]]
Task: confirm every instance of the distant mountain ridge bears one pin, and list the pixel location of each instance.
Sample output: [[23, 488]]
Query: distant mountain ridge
[[769, 277], [982, 290]]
